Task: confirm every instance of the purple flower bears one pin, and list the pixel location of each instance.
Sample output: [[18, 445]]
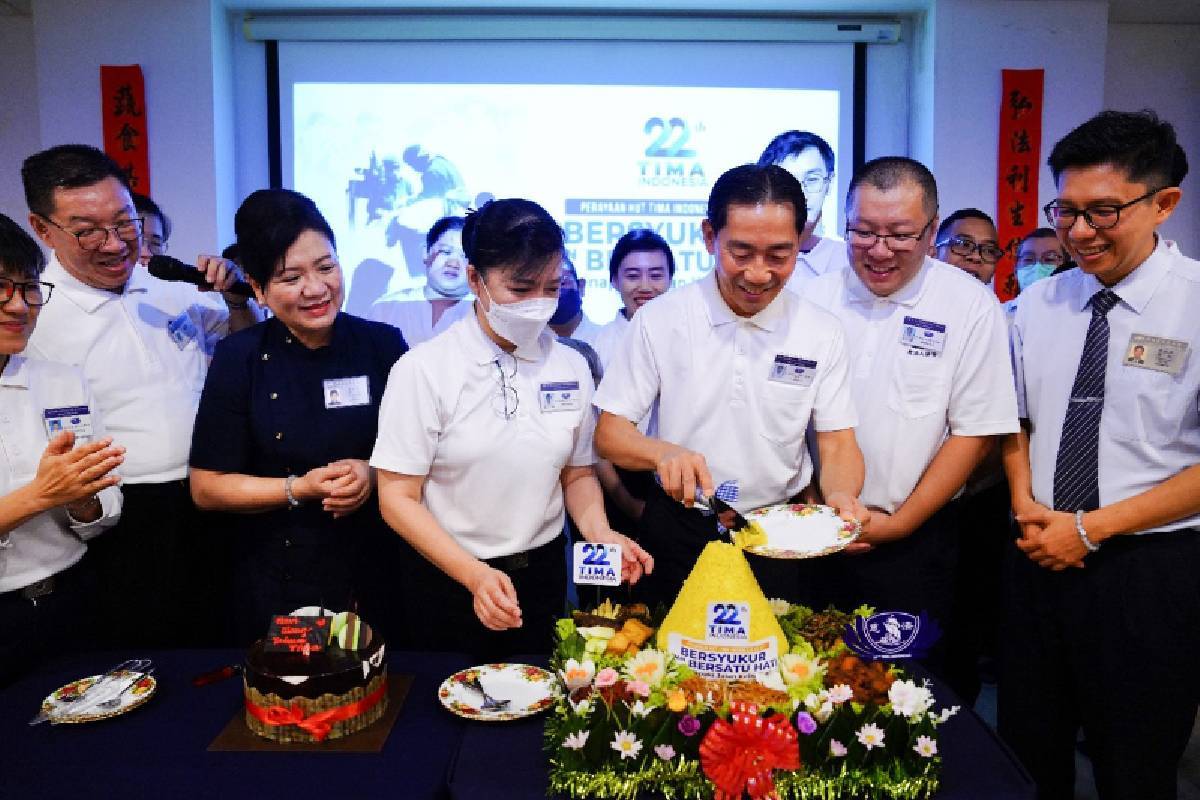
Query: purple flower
[[805, 723], [689, 725]]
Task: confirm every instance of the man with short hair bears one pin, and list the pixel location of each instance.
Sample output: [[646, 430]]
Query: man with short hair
[[967, 239], [569, 321], [736, 368], [931, 379], [156, 228], [1102, 607], [809, 158], [143, 344]]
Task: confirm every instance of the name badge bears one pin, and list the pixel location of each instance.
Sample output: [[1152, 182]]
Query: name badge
[[347, 392], [793, 370], [76, 419], [561, 396], [922, 337], [1156, 353], [182, 330], [597, 564]]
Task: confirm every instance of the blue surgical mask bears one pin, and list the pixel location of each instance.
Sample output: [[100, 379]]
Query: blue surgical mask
[[1029, 274]]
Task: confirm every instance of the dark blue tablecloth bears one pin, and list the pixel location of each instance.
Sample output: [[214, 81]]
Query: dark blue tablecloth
[[159, 750]]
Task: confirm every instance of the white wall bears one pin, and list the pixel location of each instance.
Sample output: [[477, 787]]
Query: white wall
[[973, 41], [172, 40], [1158, 67], [19, 130]]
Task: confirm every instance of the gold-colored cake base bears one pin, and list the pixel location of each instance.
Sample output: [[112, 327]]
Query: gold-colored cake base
[[310, 706]]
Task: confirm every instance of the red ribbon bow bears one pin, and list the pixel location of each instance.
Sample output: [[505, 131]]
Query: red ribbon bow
[[739, 754], [319, 724]]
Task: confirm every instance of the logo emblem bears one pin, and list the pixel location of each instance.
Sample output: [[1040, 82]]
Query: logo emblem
[[891, 635]]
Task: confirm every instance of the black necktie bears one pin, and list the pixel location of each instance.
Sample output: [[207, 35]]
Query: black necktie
[[1077, 467]]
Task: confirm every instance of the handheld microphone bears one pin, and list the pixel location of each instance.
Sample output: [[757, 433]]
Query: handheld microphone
[[167, 268]]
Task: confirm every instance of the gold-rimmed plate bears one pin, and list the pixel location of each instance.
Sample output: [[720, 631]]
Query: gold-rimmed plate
[[529, 690], [58, 703], [801, 530]]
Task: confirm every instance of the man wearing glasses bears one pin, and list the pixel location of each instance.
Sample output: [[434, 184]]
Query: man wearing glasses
[[967, 239], [143, 345], [1104, 477], [810, 160], [931, 381]]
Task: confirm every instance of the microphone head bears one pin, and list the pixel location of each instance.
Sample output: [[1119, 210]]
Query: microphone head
[[172, 269]]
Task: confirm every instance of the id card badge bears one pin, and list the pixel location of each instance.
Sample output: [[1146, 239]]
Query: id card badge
[[793, 370], [922, 335], [560, 396], [76, 419], [1156, 353], [597, 564], [182, 330], [347, 392]]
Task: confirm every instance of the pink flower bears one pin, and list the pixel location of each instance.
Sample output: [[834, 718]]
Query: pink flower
[[640, 688], [664, 751], [606, 677], [689, 725], [837, 749]]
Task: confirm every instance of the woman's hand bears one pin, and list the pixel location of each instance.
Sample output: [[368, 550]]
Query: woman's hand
[[635, 562], [319, 482], [495, 598], [67, 474], [349, 492]]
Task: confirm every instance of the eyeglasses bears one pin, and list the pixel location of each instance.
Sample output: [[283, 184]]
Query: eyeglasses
[[95, 238], [34, 293], [896, 242], [1101, 217], [815, 183], [1053, 258], [155, 244], [965, 247], [506, 402]]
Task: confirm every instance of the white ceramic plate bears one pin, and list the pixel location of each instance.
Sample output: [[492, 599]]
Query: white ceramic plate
[[529, 690], [799, 530], [60, 700]]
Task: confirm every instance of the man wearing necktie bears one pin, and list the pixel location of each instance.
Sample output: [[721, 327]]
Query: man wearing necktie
[[1103, 594]]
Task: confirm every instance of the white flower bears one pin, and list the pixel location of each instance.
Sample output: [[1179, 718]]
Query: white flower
[[870, 736], [582, 708], [840, 694], [640, 709], [779, 606], [664, 751], [648, 665], [926, 747], [797, 669], [823, 713], [626, 744], [946, 714], [814, 701], [772, 681], [837, 749], [576, 741], [576, 675], [909, 700]]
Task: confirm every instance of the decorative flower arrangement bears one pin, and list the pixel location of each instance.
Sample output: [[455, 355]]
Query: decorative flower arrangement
[[830, 726]]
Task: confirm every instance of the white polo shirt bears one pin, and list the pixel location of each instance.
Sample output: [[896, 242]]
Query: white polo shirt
[[609, 338], [144, 352], [493, 483], [740, 391], [587, 330], [414, 318], [50, 542], [828, 256], [1150, 425], [929, 361]]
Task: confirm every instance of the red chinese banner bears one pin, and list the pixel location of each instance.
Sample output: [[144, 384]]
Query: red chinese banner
[[1020, 158], [123, 105]]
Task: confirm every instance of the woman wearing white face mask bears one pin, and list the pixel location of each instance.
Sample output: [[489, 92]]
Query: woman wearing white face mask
[[485, 435]]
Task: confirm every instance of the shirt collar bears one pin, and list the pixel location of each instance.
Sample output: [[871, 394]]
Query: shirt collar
[[719, 312], [484, 351], [88, 298], [278, 334], [16, 373], [1136, 288], [907, 295]]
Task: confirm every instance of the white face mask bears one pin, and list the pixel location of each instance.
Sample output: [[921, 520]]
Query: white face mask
[[521, 322]]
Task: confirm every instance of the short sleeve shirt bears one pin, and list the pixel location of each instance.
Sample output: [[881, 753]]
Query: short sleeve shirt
[[740, 391], [414, 318], [492, 433]]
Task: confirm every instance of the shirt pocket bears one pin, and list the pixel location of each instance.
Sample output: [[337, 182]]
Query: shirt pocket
[[785, 411], [555, 435], [919, 386], [1144, 405]]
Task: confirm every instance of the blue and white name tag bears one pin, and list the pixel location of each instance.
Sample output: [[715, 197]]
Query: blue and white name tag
[[560, 396], [727, 622], [793, 370], [347, 392], [920, 334], [182, 330], [597, 564], [76, 419]]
